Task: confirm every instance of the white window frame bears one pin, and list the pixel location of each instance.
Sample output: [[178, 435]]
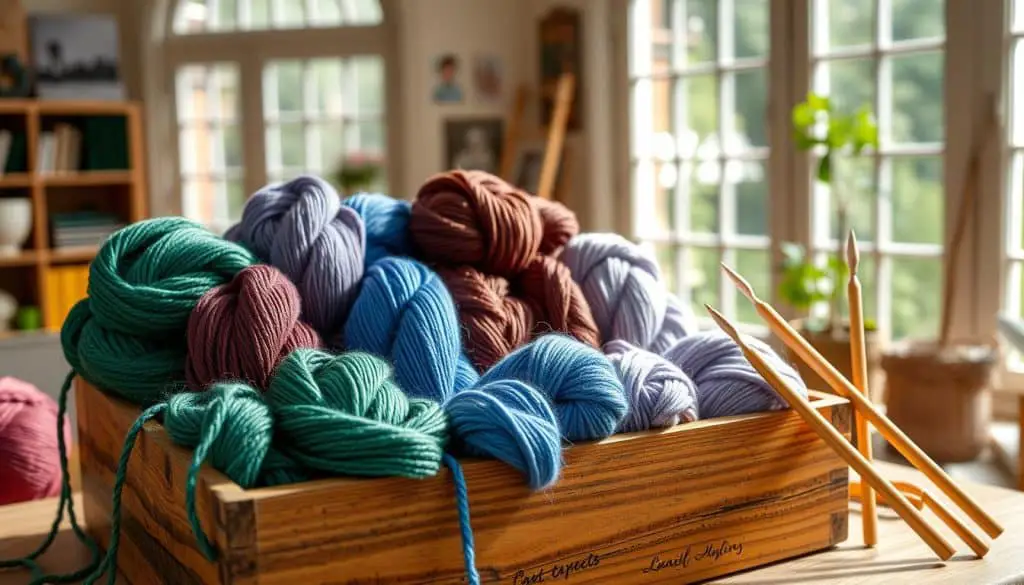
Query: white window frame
[[250, 52], [976, 65]]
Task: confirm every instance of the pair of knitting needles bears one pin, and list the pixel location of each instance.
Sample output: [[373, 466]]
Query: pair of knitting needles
[[864, 409]]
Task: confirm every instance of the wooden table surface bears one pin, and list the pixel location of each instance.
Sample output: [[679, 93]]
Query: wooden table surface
[[900, 557]]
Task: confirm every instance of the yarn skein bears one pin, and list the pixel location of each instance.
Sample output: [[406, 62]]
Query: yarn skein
[[559, 225], [512, 422], [659, 394], [476, 219], [558, 303], [128, 335], [301, 228], [344, 414], [726, 382], [387, 224], [29, 459], [241, 330], [580, 382], [405, 313], [622, 284]]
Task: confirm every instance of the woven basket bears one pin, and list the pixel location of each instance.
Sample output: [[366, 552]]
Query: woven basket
[[940, 399]]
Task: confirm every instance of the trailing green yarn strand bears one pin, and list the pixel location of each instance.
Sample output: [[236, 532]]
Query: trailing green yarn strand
[[128, 336], [344, 414], [66, 500]]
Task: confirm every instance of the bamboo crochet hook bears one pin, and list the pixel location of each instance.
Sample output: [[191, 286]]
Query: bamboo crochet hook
[[858, 361], [896, 437], [838, 443]]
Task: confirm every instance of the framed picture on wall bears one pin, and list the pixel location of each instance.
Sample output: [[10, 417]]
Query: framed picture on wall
[[560, 52], [76, 56], [474, 143]]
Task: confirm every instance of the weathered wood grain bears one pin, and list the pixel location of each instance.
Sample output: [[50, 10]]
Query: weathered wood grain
[[689, 503]]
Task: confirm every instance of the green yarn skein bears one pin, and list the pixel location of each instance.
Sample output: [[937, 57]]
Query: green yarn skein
[[344, 414], [128, 335]]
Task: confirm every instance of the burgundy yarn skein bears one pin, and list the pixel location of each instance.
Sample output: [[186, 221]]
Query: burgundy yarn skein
[[243, 329]]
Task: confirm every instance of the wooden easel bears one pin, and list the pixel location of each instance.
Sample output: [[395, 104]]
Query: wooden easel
[[555, 134]]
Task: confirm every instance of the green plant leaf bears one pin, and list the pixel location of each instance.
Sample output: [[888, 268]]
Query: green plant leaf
[[803, 115], [864, 130], [825, 167], [818, 102]]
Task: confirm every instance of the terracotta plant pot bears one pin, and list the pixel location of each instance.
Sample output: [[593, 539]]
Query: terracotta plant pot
[[835, 346], [940, 399]]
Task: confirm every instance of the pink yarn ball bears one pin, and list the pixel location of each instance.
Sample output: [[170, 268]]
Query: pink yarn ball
[[29, 458]]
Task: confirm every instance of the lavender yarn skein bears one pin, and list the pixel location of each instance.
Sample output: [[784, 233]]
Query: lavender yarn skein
[[301, 228], [659, 394], [622, 285], [726, 382]]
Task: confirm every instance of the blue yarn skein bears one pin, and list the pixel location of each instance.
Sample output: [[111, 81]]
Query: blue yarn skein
[[726, 382], [511, 422], [580, 382], [387, 224], [659, 393], [405, 313]]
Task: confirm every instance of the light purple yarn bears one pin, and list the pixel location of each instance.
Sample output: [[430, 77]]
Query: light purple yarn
[[622, 285], [659, 394], [301, 228], [726, 382]]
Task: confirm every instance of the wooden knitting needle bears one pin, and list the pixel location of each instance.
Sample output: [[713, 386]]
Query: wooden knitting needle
[[890, 431], [856, 489], [838, 443], [858, 361]]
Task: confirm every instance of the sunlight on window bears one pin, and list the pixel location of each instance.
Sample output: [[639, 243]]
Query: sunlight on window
[[211, 16]]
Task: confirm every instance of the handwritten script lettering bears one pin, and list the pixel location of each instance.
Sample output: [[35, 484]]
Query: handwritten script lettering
[[711, 553], [555, 571]]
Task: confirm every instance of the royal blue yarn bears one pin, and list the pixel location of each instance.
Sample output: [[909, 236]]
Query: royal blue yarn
[[405, 314], [387, 224], [509, 421], [579, 381]]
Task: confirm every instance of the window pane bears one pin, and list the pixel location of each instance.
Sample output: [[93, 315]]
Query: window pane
[[1015, 197], [283, 85], [917, 200], [667, 255], [849, 83], [702, 274], [916, 294], [199, 16], [327, 81], [853, 189], [699, 109], [847, 22], [703, 184], [368, 78], [1016, 83], [917, 90], [331, 136], [752, 200], [749, 125], [365, 137], [697, 29], [1018, 15], [918, 19], [752, 20], [755, 266], [236, 196], [291, 139]]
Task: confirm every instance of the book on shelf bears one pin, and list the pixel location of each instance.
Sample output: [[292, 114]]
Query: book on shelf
[[60, 150], [82, 228], [65, 286], [6, 139]]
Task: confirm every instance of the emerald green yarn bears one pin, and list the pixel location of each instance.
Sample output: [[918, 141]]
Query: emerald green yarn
[[128, 336], [344, 414]]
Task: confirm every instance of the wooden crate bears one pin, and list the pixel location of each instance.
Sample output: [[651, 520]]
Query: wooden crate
[[685, 504]]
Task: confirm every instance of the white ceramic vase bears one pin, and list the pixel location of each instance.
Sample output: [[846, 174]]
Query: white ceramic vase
[[8, 307], [15, 225]]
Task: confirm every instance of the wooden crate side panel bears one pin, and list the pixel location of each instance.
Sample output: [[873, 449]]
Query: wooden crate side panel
[[157, 544], [766, 484]]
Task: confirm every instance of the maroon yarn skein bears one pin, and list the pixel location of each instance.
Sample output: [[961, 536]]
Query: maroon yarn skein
[[241, 330]]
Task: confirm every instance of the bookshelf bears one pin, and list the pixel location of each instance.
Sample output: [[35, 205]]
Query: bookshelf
[[104, 177]]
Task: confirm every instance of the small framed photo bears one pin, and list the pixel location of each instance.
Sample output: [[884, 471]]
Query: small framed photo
[[474, 143]]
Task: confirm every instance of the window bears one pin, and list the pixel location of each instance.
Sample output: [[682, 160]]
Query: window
[[699, 154], [699, 143], [889, 55], [1013, 245], [269, 89], [204, 16]]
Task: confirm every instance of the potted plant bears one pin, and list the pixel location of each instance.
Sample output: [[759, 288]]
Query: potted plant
[[357, 173], [807, 285]]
